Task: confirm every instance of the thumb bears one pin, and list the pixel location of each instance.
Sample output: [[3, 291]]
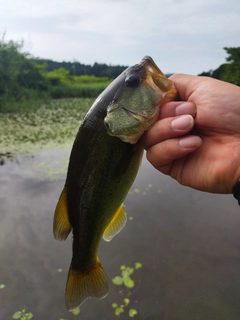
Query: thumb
[[185, 84]]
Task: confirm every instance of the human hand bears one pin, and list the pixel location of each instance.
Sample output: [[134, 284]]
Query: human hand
[[201, 152]]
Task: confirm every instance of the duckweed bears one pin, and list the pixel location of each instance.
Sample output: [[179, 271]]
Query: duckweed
[[141, 192], [138, 265], [76, 311], [121, 308], [22, 315], [126, 280], [132, 313]]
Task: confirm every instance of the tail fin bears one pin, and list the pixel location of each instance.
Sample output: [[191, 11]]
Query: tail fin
[[81, 286]]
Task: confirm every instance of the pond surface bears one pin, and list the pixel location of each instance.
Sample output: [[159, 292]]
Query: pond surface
[[188, 243]]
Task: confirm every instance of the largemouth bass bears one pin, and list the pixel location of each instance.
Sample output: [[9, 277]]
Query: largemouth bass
[[103, 164]]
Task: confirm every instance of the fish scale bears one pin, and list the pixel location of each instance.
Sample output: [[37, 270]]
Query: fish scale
[[103, 164]]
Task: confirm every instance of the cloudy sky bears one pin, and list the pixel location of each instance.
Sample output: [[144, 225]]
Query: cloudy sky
[[181, 35]]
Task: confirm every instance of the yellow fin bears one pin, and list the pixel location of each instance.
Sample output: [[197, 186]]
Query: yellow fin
[[61, 224], [81, 286], [115, 226]]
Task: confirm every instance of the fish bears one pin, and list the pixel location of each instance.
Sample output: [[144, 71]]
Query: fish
[[104, 161]]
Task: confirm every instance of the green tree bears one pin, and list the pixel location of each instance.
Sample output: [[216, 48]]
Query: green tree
[[230, 71], [31, 76], [58, 76], [234, 54], [20, 77], [10, 59]]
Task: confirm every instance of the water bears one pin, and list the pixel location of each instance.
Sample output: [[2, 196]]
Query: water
[[188, 243]]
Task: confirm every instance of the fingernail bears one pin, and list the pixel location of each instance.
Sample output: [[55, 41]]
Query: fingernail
[[186, 108], [181, 123], [190, 142]]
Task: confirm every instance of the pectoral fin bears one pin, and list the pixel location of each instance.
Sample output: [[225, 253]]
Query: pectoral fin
[[117, 223], [61, 224]]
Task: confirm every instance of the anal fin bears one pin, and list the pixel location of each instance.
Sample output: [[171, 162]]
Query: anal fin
[[61, 224], [116, 224]]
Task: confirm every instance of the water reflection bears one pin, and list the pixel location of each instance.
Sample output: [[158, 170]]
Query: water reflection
[[188, 243]]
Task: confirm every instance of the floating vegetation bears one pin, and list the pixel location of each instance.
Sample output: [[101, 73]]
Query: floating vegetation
[[76, 311], [132, 313], [138, 265], [121, 308], [22, 315], [55, 123], [136, 190], [126, 280], [126, 273], [125, 277], [142, 192], [51, 170]]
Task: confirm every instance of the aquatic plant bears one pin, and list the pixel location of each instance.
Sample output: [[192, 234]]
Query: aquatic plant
[[126, 280], [22, 315], [54, 123], [76, 311], [121, 308], [125, 277], [143, 192]]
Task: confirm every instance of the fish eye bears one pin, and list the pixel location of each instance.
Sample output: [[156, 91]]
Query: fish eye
[[132, 81]]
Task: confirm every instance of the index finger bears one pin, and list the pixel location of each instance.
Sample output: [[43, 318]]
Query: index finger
[[177, 108]]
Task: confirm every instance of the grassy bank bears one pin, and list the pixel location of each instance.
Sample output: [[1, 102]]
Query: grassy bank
[[52, 124], [75, 90], [31, 100]]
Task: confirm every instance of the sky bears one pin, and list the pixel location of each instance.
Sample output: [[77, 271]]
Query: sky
[[184, 36]]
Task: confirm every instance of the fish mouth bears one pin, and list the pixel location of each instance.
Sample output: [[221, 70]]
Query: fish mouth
[[148, 61], [156, 80], [142, 123], [145, 122]]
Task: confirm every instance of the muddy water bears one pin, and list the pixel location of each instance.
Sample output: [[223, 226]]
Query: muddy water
[[188, 243]]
